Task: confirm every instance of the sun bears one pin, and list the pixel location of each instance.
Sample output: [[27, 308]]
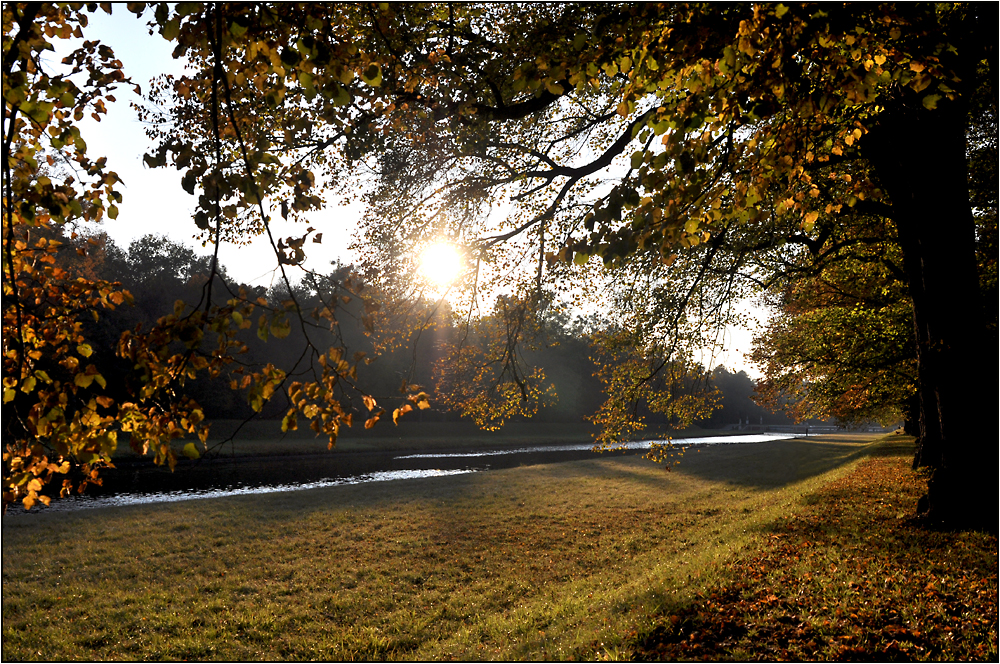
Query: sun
[[441, 263]]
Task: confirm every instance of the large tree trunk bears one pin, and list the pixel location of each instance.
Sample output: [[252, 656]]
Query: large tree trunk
[[928, 453], [920, 158]]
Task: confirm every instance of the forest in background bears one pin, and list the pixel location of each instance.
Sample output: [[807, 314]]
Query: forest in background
[[767, 153], [158, 272]]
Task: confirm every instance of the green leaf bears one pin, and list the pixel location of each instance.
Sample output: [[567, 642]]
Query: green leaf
[[188, 182], [39, 112], [188, 8], [171, 29], [930, 102], [372, 75], [280, 328], [341, 97]]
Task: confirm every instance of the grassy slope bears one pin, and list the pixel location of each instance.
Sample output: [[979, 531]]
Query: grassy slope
[[557, 561], [850, 576]]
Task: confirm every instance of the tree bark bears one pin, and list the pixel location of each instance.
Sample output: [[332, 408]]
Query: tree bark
[[920, 158], [928, 452]]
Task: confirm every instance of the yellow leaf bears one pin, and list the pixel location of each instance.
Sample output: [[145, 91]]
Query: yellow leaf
[[191, 452], [399, 412], [810, 220], [85, 350]]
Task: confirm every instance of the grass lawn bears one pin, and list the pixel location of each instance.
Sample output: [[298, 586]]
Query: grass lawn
[[588, 559], [849, 576]]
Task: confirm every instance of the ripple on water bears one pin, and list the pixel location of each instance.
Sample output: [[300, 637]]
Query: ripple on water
[[74, 503], [633, 445]]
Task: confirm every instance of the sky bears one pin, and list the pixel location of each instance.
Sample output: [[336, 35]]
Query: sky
[[154, 202]]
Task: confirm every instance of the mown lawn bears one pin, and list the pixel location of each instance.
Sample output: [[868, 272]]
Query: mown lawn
[[575, 560]]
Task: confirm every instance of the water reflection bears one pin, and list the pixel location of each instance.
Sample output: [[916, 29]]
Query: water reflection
[[634, 445], [73, 503], [248, 476]]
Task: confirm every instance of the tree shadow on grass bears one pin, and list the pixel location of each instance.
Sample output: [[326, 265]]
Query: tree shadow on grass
[[851, 577], [757, 466], [772, 464]]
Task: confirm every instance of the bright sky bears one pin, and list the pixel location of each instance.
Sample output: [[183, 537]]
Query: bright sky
[[155, 203]]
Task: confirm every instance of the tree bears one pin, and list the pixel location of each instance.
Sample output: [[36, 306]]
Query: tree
[[694, 149], [841, 342], [779, 124]]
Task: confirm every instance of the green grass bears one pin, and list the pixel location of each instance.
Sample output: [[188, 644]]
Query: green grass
[[546, 562]]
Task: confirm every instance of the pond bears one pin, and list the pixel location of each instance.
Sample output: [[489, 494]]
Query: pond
[[138, 483]]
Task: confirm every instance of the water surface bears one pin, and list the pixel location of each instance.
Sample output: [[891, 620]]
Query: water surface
[[139, 484]]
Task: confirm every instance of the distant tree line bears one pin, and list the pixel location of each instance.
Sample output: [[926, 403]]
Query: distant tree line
[[159, 272]]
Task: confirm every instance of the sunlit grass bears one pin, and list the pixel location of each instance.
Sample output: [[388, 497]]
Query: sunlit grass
[[555, 561]]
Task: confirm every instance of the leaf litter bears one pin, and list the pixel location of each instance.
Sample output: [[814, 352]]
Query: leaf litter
[[852, 576]]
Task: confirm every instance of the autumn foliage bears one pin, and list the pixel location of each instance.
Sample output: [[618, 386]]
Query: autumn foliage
[[671, 157], [850, 577]]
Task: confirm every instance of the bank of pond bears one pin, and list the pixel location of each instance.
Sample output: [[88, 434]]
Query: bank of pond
[[136, 481]]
